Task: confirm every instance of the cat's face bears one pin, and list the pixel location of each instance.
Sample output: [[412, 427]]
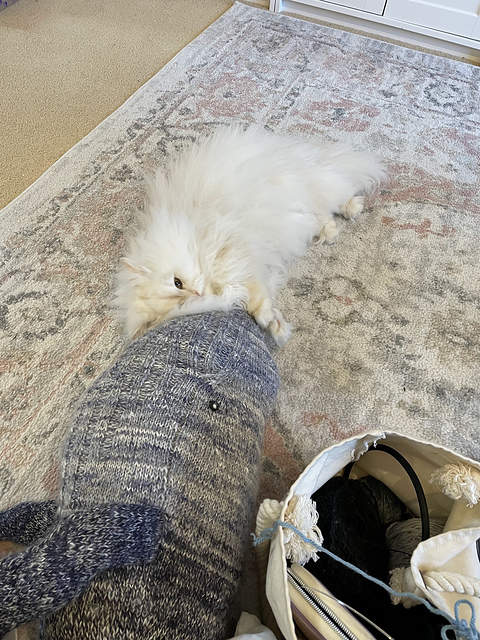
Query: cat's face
[[152, 287]]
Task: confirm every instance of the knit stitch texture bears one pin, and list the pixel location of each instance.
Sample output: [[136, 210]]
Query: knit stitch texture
[[159, 480]]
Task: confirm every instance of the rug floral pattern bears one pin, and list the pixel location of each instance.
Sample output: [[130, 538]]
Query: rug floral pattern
[[387, 321]]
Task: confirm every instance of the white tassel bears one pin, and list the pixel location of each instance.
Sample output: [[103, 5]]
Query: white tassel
[[459, 482], [301, 514]]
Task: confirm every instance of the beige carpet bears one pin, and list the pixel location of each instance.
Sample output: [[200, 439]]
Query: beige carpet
[[66, 65]]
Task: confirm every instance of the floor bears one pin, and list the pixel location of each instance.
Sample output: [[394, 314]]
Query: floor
[[67, 65]]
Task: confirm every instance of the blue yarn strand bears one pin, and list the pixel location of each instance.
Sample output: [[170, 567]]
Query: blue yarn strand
[[462, 629]]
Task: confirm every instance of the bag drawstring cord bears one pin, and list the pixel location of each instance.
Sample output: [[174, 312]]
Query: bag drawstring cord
[[462, 629]]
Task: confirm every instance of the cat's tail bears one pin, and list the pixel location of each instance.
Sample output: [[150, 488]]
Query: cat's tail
[[368, 171], [363, 170]]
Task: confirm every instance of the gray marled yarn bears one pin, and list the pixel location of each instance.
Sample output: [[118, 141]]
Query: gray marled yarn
[[169, 439], [402, 538]]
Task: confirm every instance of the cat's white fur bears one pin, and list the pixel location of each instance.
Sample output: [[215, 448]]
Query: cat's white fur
[[227, 217]]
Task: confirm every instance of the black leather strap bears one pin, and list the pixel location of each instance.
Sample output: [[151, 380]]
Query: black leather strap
[[422, 501]]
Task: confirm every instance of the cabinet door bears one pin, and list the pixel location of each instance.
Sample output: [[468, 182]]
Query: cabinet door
[[460, 17]]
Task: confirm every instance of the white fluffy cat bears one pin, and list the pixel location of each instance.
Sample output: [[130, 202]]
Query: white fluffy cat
[[227, 217]]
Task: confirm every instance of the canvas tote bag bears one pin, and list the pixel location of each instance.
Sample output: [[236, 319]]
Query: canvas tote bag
[[444, 569]]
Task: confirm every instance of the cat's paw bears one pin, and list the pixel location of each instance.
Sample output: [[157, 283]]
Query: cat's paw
[[328, 233], [280, 329], [271, 319], [352, 208], [264, 313]]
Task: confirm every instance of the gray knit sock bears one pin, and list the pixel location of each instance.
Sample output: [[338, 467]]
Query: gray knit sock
[[175, 424]]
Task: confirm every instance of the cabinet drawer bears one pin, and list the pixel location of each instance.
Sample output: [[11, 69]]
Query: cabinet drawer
[[460, 17], [372, 6]]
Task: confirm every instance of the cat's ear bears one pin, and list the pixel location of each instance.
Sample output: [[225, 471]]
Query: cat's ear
[[134, 268]]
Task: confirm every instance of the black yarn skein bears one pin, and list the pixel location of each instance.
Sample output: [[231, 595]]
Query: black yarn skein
[[353, 518]]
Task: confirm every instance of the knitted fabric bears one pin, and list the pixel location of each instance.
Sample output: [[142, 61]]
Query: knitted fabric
[[160, 474], [28, 521]]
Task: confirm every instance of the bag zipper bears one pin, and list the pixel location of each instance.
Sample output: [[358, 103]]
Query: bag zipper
[[321, 608]]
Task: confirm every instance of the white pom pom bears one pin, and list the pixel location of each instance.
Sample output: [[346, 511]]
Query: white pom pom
[[459, 482], [301, 514], [402, 581]]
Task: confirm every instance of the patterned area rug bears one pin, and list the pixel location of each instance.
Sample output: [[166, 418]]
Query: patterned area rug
[[387, 322]]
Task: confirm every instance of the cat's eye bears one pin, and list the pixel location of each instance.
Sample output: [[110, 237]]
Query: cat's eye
[[178, 283]]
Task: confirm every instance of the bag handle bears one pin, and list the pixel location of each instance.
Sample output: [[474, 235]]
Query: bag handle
[[435, 580], [422, 501]]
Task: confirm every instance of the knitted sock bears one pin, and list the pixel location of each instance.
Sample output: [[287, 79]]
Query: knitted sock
[[56, 569], [28, 521], [177, 424]]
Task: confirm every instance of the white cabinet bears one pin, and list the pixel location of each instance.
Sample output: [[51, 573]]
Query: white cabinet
[[460, 17], [445, 26]]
